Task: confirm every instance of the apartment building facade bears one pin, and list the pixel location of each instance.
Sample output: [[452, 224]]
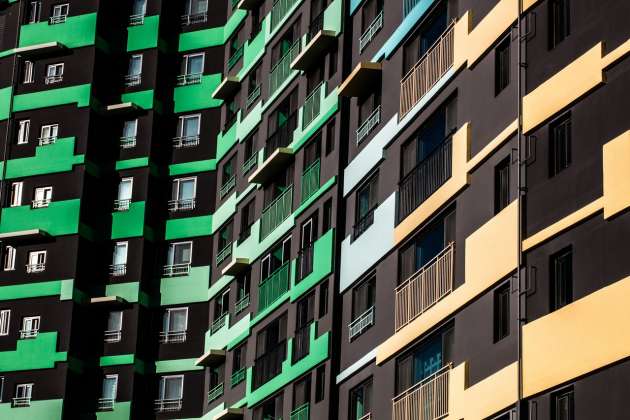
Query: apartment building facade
[[314, 209]]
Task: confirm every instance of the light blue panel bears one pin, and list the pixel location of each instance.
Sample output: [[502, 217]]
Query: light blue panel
[[354, 4]]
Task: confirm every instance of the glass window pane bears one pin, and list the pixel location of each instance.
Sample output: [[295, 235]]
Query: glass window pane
[[187, 189], [195, 64], [190, 126], [173, 388], [182, 254]]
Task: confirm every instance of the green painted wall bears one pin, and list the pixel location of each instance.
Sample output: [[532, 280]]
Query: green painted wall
[[76, 31], [49, 159], [185, 289], [33, 353], [53, 97], [194, 97], [5, 102], [59, 218], [39, 410], [145, 99], [62, 288], [141, 37], [188, 227], [192, 167], [129, 223], [132, 163], [224, 336], [121, 411], [212, 37]]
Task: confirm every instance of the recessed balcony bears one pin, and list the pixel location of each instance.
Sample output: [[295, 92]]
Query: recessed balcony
[[276, 153], [276, 212]]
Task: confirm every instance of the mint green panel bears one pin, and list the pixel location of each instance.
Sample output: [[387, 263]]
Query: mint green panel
[[333, 17], [121, 411], [117, 360], [226, 140], [53, 97], [328, 107], [192, 167], [188, 227], [59, 218], [212, 37], [176, 365], [129, 291], [140, 37], [185, 289], [144, 99], [39, 409], [35, 353], [61, 288], [5, 102], [75, 32], [199, 96], [322, 266], [52, 158], [132, 163], [130, 223], [223, 337]]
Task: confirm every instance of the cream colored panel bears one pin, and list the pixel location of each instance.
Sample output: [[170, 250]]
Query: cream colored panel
[[617, 175]]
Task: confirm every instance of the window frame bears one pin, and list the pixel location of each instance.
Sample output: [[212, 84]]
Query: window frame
[[501, 321], [167, 315], [5, 322], [9, 256], [24, 128], [502, 68], [174, 245]]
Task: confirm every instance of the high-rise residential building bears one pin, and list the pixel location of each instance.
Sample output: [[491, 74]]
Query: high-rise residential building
[[314, 209]]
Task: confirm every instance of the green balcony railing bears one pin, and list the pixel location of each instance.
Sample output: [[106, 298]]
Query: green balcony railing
[[276, 212], [218, 323], [273, 286], [224, 254], [227, 187], [241, 304], [311, 106], [282, 69], [280, 9], [310, 181], [235, 57], [215, 392], [301, 413], [250, 163], [238, 376]]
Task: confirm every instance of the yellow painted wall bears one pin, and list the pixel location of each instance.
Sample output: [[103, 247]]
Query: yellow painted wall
[[617, 175]]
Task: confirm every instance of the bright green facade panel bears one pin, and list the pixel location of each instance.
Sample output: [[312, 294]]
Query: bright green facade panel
[[34, 353], [53, 97], [195, 97], [212, 37], [121, 411], [38, 410], [49, 159], [132, 163], [117, 360], [192, 167], [185, 289], [224, 336], [188, 227], [61, 288], [129, 223], [76, 31], [141, 37], [129, 291], [145, 99], [176, 365], [59, 218], [5, 102]]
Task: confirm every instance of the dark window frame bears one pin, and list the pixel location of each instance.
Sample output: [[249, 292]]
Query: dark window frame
[[502, 312], [502, 184], [561, 270], [502, 65], [560, 134]]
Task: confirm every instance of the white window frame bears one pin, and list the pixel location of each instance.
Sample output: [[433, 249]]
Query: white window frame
[[176, 203], [51, 135], [162, 387], [27, 69], [179, 182], [5, 322], [114, 335], [188, 57], [36, 267], [183, 118], [16, 194], [120, 268], [171, 268], [168, 315], [122, 203], [30, 326], [59, 13], [9, 258], [24, 128], [115, 387], [36, 6], [169, 335], [42, 197], [57, 73], [25, 400]]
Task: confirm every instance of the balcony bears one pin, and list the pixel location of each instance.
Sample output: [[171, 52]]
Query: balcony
[[105, 404], [45, 141], [424, 288], [215, 393], [122, 204], [21, 402], [361, 80], [423, 180], [310, 181], [316, 41], [189, 79], [368, 125], [183, 204], [192, 18], [112, 336], [224, 254], [212, 357], [55, 20], [279, 10], [250, 163], [301, 343], [253, 96], [304, 263], [167, 337], [127, 142], [301, 413], [117, 270], [370, 32], [218, 323], [135, 20], [38, 204], [276, 212], [241, 304], [269, 365], [51, 80], [282, 69], [227, 187], [32, 333], [165, 406], [238, 377], [276, 154], [173, 270], [235, 57], [273, 287], [35, 268], [426, 72], [363, 223], [361, 323], [312, 103], [227, 88], [132, 80], [183, 142], [427, 400], [236, 266]]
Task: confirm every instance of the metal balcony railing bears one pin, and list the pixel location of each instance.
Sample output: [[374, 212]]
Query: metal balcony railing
[[137, 19], [189, 79], [423, 180], [163, 405], [32, 333], [425, 287], [21, 402], [218, 323], [363, 223], [312, 106], [274, 286], [38, 204], [238, 376], [172, 337], [253, 95], [54, 20], [301, 343], [241, 304], [301, 413], [132, 79], [238, 54], [224, 254], [426, 400], [185, 141], [282, 69], [227, 187], [192, 18], [368, 125], [173, 270], [116, 270], [426, 72], [279, 11], [305, 263], [371, 31], [35, 268], [112, 336], [49, 80], [316, 25], [250, 163], [122, 204], [310, 181], [368, 416], [45, 141], [282, 137], [215, 393], [269, 365], [127, 142], [361, 323], [181, 205], [276, 212], [105, 404]]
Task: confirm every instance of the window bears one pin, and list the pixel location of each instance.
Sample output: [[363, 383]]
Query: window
[[1, 388], [27, 72], [108, 394], [129, 133], [170, 393], [34, 9], [327, 222], [331, 134], [5, 318], [363, 297], [302, 392], [305, 314], [361, 400], [272, 408], [222, 305], [192, 65], [30, 327], [243, 284], [196, 7], [502, 312], [228, 177], [561, 275], [42, 197], [174, 325], [119, 259], [560, 144], [365, 204], [239, 358], [332, 61], [187, 131], [502, 66], [183, 194], [320, 383], [502, 185], [113, 333], [224, 240], [247, 220], [275, 259], [271, 349], [36, 262], [125, 191], [425, 37], [54, 73], [562, 405], [559, 21], [59, 13], [23, 393], [16, 194], [24, 127], [323, 300], [9, 258], [134, 70], [178, 258], [139, 8], [48, 134]]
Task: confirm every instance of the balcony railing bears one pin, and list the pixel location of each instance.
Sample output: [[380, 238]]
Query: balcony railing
[[21, 402], [423, 180], [241, 304], [122, 204], [301, 343], [127, 142], [137, 19], [368, 125], [361, 323], [45, 141], [274, 286], [192, 18], [276, 212], [224, 254], [116, 270], [38, 204], [363, 223], [427, 400], [49, 80], [238, 376], [371, 31], [280, 10], [54, 20], [301, 413], [310, 180], [218, 323], [112, 336], [235, 57], [105, 404], [172, 337], [32, 333], [172, 270], [282, 137], [35, 268], [185, 141], [426, 72], [368, 416], [316, 25], [425, 287], [227, 187], [163, 405], [181, 205], [188, 79], [282, 69], [269, 365], [250, 163], [215, 393], [132, 79], [311, 106], [304, 263], [253, 95]]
